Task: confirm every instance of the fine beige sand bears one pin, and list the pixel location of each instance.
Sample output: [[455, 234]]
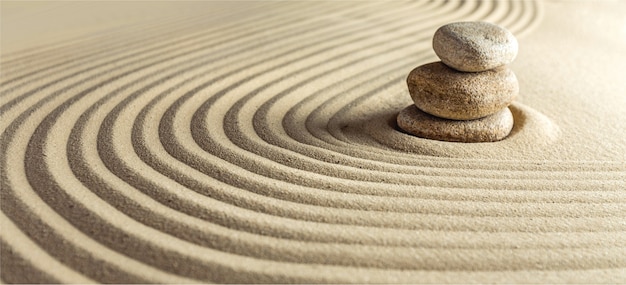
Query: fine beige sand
[[181, 142]]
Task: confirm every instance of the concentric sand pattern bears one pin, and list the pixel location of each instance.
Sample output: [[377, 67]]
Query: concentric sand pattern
[[257, 143]]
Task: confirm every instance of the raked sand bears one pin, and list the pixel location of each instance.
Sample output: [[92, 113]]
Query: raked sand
[[256, 142]]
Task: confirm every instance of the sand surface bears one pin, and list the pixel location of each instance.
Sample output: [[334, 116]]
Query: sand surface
[[255, 142]]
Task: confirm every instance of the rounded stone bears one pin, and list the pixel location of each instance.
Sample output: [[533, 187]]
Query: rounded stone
[[474, 46], [488, 129], [447, 93]]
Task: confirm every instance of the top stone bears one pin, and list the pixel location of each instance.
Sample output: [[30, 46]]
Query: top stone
[[474, 46]]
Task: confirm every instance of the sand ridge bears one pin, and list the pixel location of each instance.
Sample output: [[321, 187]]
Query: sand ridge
[[257, 144]]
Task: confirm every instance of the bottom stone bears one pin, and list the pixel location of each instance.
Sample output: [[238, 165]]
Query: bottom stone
[[487, 129]]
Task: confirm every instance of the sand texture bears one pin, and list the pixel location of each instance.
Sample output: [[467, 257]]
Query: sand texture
[[179, 142]]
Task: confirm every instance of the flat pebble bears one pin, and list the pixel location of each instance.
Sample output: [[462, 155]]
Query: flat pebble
[[488, 129], [474, 46], [444, 92]]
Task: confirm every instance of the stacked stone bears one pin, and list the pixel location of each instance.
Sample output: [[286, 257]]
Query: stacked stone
[[465, 96]]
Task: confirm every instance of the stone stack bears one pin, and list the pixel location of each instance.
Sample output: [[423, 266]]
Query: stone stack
[[464, 97]]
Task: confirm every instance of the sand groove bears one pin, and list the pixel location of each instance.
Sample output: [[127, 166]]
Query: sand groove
[[258, 144]]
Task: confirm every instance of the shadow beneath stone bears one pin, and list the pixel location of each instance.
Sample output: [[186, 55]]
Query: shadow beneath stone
[[532, 132]]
